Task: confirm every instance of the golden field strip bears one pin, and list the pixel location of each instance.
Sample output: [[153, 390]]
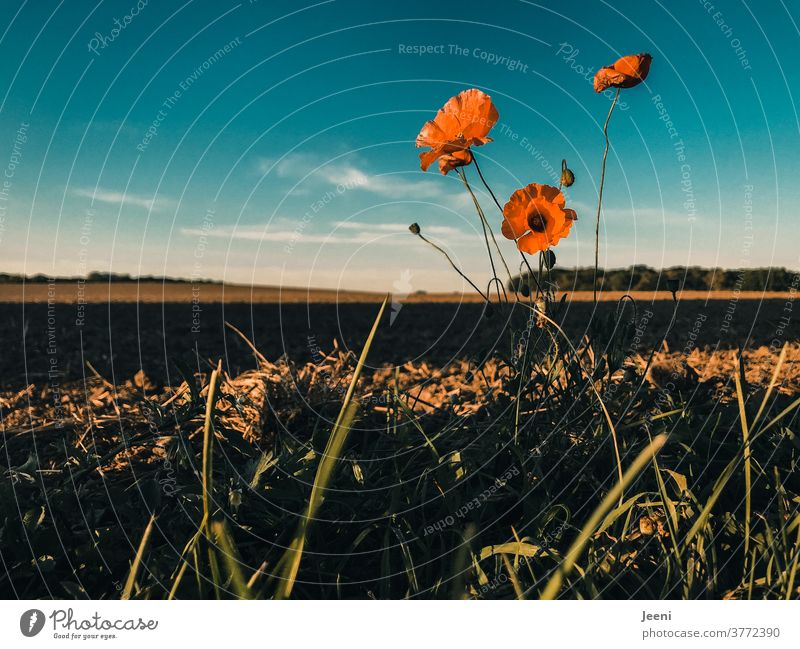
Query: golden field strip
[[71, 292]]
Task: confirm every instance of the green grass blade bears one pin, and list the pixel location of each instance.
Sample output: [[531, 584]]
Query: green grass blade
[[137, 560], [793, 569], [208, 442], [230, 557], [290, 562], [771, 386], [576, 549], [746, 450], [208, 474]]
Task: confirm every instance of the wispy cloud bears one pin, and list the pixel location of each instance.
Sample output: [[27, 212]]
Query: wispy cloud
[[112, 197], [283, 236], [650, 215], [439, 230], [343, 233], [397, 186], [351, 176]]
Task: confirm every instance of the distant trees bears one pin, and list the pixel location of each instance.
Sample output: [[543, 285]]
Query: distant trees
[[645, 278], [97, 276]]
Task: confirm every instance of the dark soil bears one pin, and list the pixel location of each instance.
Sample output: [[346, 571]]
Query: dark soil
[[119, 339]]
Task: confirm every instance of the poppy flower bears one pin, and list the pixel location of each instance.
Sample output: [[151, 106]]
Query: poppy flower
[[627, 72], [464, 121], [536, 217]]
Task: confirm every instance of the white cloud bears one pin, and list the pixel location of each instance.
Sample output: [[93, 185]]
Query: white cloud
[[441, 230], [354, 232], [294, 165], [120, 198], [648, 215], [305, 167], [298, 236]]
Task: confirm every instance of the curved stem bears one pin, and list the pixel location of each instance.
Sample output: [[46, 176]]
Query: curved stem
[[600, 198], [452, 263], [486, 230], [485, 184], [496, 202]]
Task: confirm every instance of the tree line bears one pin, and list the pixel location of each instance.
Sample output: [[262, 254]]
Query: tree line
[[690, 278]]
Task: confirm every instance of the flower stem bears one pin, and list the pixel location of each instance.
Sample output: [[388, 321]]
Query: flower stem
[[499, 207], [600, 199], [485, 184], [452, 263], [486, 230]]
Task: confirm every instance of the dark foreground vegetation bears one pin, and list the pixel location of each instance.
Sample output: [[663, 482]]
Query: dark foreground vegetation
[[545, 470]]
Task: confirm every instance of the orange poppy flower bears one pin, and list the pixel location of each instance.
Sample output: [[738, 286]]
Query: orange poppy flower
[[464, 121], [536, 217], [627, 72]]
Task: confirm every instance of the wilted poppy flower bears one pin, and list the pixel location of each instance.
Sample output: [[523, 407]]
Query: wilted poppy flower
[[464, 121], [627, 72], [536, 217], [449, 161]]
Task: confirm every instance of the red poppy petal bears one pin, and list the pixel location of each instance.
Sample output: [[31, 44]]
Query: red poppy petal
[[607, 77], [532, 242], [426, 158]]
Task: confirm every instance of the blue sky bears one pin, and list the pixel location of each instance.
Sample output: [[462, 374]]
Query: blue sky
[[273, 142]]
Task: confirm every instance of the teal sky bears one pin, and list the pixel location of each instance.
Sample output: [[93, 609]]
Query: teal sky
[[273, 142]]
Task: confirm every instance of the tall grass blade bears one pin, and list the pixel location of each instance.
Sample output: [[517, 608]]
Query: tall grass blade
[[208, 473], [793, 569], [746, 450], [726, 474], [290, 562], [771, 387], [137, 560], [184, 563], [230, 557], [576, 549], [208, 442]]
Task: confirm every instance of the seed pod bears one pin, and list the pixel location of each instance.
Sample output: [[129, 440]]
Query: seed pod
[[567, 177]]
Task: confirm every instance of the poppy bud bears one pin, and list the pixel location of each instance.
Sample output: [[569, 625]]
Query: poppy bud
[[524, 290], [567, 177], [414, 228], [549, 258]]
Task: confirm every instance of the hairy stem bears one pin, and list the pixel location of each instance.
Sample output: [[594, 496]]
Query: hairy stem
[[486, 230], [452, 263], [600, 198]]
